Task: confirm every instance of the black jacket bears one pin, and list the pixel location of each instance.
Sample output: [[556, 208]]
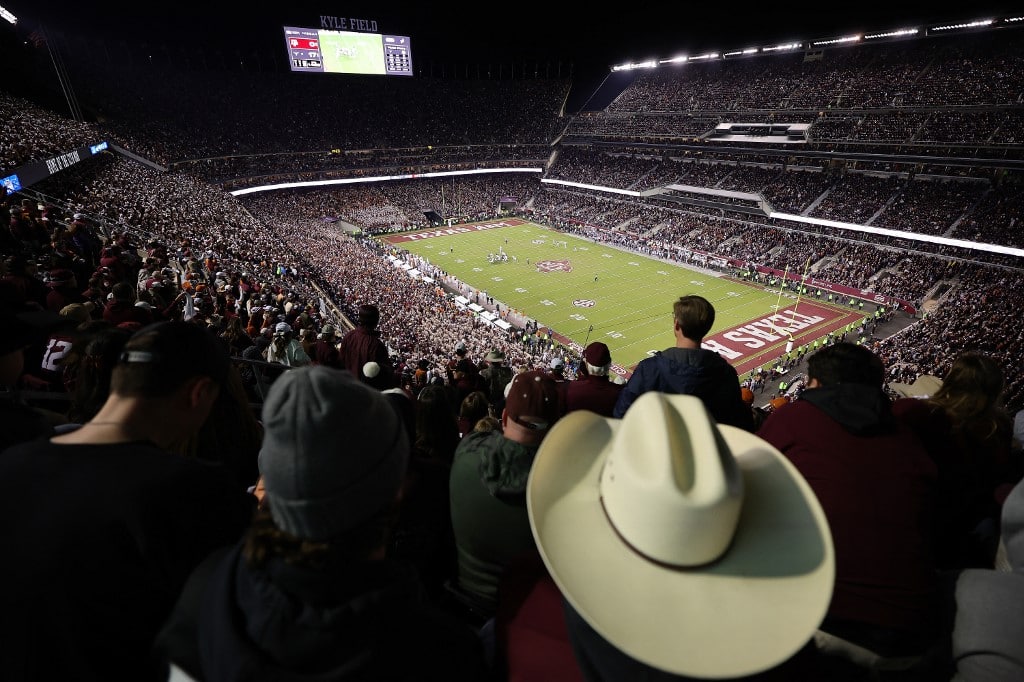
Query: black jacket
[[288, 623]]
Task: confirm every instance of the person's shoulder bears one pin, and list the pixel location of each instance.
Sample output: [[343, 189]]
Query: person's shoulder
[[476, 441]]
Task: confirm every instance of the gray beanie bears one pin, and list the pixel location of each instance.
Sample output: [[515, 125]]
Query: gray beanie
[[334, 452]]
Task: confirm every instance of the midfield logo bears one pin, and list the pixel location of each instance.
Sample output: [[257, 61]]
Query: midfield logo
[[554, 266]]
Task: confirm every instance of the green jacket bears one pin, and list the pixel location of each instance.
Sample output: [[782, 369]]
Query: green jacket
[[488, 503]]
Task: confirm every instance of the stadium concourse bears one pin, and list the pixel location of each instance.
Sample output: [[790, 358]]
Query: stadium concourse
[[220, 213]]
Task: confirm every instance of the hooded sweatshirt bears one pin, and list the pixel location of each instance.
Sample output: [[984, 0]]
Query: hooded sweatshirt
[[876, 484], [691, 371], [291, 623]]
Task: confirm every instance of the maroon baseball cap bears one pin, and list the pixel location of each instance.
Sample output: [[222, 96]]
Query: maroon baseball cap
[[598, 354], [533, 400]]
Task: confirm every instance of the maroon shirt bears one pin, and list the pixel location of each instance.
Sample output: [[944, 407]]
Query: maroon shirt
[[877, 492], [116, 312], [595, 393], [362, 345]]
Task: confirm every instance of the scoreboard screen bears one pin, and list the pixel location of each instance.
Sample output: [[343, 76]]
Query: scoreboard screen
[[323, 51]]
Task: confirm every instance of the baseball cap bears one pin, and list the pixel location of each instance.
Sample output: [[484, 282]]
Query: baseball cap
[[597, 354], [532, 400]]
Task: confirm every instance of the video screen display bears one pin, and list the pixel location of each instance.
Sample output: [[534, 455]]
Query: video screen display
[[321, 51]]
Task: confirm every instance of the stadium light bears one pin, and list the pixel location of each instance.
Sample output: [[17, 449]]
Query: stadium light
[[779, 48], [971, 24], [893, 34], [7, 15], [914, 236], [651, 64], [836, 41]]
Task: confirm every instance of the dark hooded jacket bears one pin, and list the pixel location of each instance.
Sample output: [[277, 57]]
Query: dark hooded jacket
[[290, 623], [876, 484], [697, 372]]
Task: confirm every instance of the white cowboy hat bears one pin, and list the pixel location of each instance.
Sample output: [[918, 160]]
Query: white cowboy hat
[[695, 548]]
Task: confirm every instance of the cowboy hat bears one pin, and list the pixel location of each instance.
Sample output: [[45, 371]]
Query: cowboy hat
[[694, 548]]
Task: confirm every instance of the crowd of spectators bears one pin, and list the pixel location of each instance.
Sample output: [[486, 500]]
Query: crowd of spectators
[[114, 244]]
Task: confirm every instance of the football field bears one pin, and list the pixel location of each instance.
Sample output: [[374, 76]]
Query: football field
[[584, 291]]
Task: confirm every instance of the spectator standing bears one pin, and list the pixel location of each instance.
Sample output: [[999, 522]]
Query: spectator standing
[[474, 407], [877, 486], [24, 329], [689, 369], [325, 352], [496, 375], [285, 349], [969, 435], [488, 486], [592, 389], [362, 345], [310, 592], [64, 290], [556, 368], [423, 535], [121, 308], [127, 516], [721, 573]]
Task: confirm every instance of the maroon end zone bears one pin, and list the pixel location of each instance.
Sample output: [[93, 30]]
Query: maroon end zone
[[759, 342], [448, 231]]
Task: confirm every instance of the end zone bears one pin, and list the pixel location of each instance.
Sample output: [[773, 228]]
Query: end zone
[[757, 342]]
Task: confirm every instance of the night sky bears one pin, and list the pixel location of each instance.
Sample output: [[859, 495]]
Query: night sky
[[525, 30]]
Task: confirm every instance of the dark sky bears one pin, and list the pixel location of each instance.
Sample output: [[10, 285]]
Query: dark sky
[[589, 35]]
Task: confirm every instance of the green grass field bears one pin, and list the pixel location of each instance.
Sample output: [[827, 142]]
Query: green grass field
[[629, 304]]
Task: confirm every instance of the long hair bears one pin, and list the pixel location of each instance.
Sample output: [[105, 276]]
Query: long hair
[[231, 434], [88, 367], [437, 428], [265, 541], [971, 395]]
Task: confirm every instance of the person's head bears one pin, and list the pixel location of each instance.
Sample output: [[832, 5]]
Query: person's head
[[437, 431], [327, 494], [326, 333], [231, 435], [123, 292], [665, 512], [79, 313], [88, 367], [474, 406], [486, 424], [464, 368], [495, 357], [165, 383], [844, 363], [597, 358], [557, 366], [972, 388], [531, 406], [161, 358], [368, 316], [693, 318], [23, 328]]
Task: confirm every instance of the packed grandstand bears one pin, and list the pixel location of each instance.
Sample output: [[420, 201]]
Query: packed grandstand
[[920, 135]]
